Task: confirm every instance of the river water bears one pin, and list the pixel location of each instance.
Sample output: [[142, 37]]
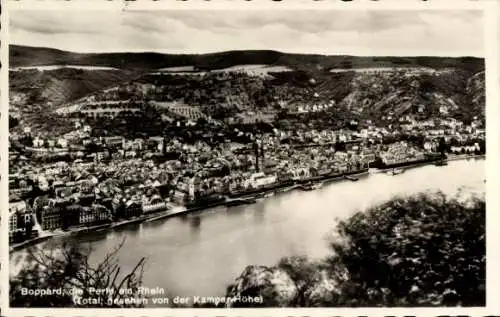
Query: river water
[[201, 253]]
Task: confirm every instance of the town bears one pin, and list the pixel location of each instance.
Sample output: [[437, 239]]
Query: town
[[80, 180]]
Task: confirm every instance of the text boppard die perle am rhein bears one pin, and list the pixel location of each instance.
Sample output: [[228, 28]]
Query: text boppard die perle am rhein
[[143, 296]]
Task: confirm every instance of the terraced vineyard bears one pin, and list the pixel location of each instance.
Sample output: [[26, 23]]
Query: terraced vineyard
[[266, 83]]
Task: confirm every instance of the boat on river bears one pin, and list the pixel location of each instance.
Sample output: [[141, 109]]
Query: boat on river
[[441, 163], [169, 213], [374, 170], [317, 185], [395, 171], [268, 194], [241, 201], [351, 178], [287, 188], [312, 186]]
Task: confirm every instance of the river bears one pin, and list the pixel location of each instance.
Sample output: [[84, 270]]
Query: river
[[199, 254]]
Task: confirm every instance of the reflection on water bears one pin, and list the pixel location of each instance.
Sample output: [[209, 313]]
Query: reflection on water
[[259, 213], [195, 223], [185, 253]]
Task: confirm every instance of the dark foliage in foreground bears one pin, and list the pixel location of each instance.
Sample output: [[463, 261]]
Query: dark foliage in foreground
[[67, 268], [423, 250]]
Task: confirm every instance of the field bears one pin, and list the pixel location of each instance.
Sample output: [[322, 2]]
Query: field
[[257, 70], [54, 67], [251, 70]]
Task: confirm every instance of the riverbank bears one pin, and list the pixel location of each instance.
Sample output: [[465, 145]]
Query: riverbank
[[448, 158], [259, 194], [458, 157], [179, 210]]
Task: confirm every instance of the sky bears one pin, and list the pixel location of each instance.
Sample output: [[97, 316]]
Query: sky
[[329, 32]]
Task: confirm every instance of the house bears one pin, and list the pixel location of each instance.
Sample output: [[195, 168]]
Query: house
[[179, 197], [132, 209], [368, 157], [300, 173], [341, 155], [86, 141], [260, 179], [102, 155], [63, 192], [113, 141], [155, 204], [363, 133], [12, 223], [51, 217], [62, 143], [37, 142], [430, 146], [86, 216], [137, 144], [443, 109], [342, 167], [92, 215], [19, 207], [157, 142]]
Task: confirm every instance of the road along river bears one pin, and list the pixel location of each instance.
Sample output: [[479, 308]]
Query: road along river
[[199, 254]]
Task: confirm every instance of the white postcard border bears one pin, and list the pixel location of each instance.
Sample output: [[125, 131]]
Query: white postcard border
[[492, 35]]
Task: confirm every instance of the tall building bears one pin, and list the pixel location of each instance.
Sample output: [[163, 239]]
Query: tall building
[[256, 152], [51, 217], [164, 146], [191, 188], [261, 154]]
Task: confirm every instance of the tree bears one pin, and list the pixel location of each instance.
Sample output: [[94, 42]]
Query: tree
[[67, 268], [442, 146], [422, 250], [13, 122]]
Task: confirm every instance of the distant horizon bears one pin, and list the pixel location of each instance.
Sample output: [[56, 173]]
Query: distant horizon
[[146, 51]]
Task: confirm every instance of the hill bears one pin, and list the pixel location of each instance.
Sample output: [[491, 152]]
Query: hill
[[372, 94], [346, 87], [36, 56], [35, 94], [61, 85]]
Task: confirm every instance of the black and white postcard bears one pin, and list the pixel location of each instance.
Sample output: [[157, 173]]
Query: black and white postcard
[[247, 156]]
